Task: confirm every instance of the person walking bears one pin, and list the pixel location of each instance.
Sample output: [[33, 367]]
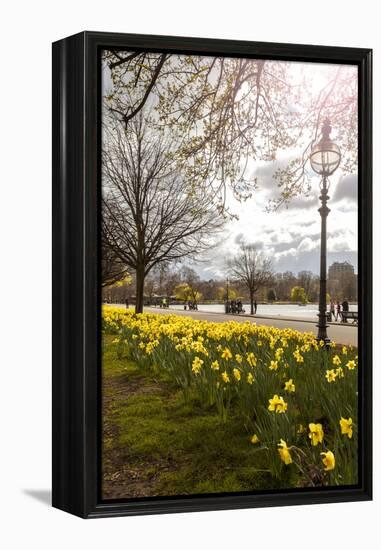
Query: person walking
[[345, 306], [332, 310], [338, 311], [255, 306], [127, 303]]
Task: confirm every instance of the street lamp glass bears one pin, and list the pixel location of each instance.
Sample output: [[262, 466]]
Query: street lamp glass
[[325, 157]]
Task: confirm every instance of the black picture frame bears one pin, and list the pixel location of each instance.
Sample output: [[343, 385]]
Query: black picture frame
[[76, 292]]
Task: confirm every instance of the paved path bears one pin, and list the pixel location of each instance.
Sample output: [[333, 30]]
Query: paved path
[[337, 332]]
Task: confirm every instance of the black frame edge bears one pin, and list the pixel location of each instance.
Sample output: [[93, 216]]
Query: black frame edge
[[365, 253], [68, 422]]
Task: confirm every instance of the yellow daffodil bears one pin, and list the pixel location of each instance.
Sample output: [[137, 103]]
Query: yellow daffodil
[[316, 433], [250, 378], [149, 348], [251, 359], [331, 375], [273, 365], [225, 377], [277, 404], [298, 356], [215, 365], [237, 374], [346, 427], [336, 360], [328, 460], [351, 365], [278, 354], [226, 354], [344, 350], [254, 439], [197, 364], [238, 358], [284, 452], [339, 372], [289, 385]]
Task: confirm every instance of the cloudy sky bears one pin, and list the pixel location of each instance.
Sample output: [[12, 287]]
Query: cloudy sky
[[290, 236]]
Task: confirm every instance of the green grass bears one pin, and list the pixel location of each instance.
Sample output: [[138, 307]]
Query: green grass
[[155, 443]]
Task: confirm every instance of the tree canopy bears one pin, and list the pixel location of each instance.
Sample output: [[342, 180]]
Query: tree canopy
[[227, 112], [298, 294]]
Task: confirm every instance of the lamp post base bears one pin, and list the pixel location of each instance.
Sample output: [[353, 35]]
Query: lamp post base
[[326, 340], [322, 331]]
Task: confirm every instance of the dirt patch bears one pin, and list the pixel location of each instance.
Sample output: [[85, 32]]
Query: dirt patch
[[129, 481], [122, 476]]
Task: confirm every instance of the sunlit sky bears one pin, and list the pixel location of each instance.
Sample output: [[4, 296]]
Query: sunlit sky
[[290, 236]]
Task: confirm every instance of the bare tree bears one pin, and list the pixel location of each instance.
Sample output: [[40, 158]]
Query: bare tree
[[169, 279], [251, 268], [150, 285], [113, 269], [151, 215], [230, 110]]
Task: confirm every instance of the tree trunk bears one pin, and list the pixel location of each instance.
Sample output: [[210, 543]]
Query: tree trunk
[[252, 303], [139, 290]]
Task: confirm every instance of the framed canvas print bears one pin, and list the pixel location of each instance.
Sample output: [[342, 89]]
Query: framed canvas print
[[212, 274]]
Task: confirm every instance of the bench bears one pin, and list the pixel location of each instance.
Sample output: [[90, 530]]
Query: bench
[[345, 315]]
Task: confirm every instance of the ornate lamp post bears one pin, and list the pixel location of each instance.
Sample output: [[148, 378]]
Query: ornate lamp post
[[325, 158]]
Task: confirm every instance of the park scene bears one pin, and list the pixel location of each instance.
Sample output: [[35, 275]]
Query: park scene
[[229, 275]]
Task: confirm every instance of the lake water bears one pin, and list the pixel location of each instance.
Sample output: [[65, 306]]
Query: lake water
[[309, 311]]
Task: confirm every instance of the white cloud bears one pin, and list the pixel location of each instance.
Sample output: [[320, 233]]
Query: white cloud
[[346, 190], [307, 244], [291, 237]]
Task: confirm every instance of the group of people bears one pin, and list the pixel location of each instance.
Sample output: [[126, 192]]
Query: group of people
[[336, 311], [191, 305], [234, 306]]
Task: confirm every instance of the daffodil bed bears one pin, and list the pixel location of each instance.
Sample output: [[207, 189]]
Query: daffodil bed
[[284, 407]]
